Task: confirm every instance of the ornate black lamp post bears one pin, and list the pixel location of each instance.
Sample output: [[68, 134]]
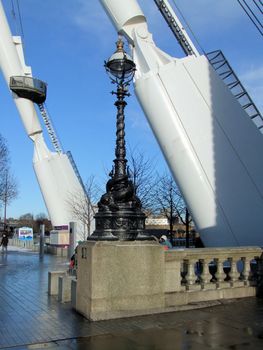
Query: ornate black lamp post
[[119, 216]]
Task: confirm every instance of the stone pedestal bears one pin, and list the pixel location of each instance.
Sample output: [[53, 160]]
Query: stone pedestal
[[53, 277], [64, 288], [119, 279]]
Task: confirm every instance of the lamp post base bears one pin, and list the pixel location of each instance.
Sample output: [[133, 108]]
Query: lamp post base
[[124, 224]]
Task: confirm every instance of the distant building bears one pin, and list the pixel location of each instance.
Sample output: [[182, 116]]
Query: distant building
[[161, 222], [156, 221]]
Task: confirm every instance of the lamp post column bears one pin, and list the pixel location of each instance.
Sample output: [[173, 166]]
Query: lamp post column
[[120, 215]]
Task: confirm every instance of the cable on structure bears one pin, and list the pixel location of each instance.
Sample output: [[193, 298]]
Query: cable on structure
[[189, 27], [20, 19], [248, 10], [16, 14], [256, 3], [13, 9], [252, 12], [13, 13]]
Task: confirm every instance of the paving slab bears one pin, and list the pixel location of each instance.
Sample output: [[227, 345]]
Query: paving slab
[[31, 319]]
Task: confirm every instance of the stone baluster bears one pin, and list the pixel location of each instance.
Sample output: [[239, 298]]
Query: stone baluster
[[191, 276], [233, 274], [205, 276], [220, 274], [247, 270], [184, 272]]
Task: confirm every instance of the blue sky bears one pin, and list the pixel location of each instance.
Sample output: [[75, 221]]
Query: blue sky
[[66, 43]]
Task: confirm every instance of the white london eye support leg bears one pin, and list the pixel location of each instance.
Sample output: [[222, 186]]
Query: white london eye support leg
[[12, 64], [194, 117], [54, 172]]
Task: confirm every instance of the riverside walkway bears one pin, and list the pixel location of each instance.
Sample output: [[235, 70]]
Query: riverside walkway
[[30, 319]]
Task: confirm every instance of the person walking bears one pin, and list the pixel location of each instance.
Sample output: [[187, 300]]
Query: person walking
[[4, 243]]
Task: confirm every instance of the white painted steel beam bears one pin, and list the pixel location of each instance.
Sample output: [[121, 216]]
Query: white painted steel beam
[[54, 172], [12, 64], [205, 135]]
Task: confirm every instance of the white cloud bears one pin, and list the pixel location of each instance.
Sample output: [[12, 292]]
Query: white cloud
[[253, 75], [89, 14], [206, 13], [138, 121], [90, 17], [220, 15], [252, 79]]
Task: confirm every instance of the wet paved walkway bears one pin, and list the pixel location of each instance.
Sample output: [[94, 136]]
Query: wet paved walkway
[[30, 319]]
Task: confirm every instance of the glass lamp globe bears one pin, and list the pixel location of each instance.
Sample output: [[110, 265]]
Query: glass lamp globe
[[120, 65]]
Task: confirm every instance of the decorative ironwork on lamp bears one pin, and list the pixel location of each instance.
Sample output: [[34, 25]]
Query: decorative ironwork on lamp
[[120, 215], [120, 66]]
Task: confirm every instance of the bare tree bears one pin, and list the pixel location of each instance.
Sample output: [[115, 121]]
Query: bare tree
[[8, 190], [42, 219], [83, 208], [170, 202], [166, 199], [184, 216], [143, 175], [8, 183], [4, 156], [27, 220]]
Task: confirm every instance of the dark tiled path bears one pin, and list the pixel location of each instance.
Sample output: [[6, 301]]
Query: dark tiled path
[[30, 319]]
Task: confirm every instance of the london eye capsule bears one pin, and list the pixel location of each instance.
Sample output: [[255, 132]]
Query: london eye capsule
[[33, 89]]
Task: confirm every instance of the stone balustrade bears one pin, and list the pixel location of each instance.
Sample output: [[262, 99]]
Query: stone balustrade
[[197, 275], [123, 279]]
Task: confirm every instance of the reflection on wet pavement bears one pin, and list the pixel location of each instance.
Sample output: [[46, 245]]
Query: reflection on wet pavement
[[30, 319]]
